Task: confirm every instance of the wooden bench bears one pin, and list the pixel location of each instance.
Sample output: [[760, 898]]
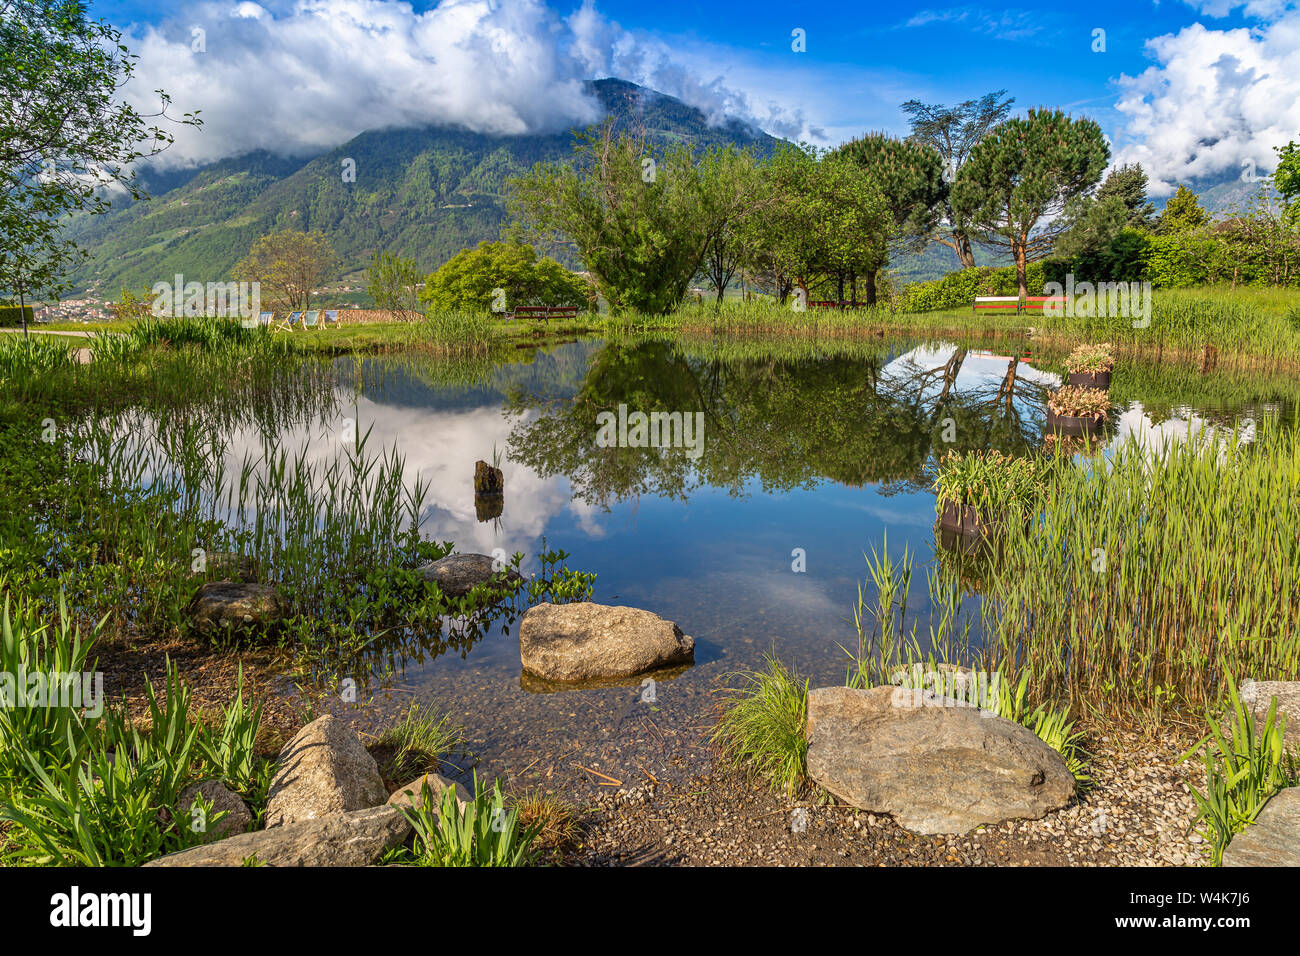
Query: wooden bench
[[544, 312], [1013, 303]]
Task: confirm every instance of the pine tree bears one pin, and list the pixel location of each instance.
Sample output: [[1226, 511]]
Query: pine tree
[[1027, 170]]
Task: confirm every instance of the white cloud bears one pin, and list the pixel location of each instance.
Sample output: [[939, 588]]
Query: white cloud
[[307, 76], [1257, 9], [1214, 101]]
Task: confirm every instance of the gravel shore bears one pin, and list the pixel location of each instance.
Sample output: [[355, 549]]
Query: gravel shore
[[1137, 813]]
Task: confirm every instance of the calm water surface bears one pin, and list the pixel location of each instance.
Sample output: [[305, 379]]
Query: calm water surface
[[823, 458]]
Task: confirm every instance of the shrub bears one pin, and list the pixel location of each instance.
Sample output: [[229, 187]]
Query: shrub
[[469, 281]]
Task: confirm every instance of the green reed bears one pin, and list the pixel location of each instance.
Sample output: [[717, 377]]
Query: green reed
[[1151, 577]]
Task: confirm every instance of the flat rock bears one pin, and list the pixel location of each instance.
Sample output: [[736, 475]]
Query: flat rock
[[228, 604], [1274, 838], [585, 641], [359, 838], [323, 770], [1258, 695], [932, 764], [458, 574], [409, 795], [237, 818]]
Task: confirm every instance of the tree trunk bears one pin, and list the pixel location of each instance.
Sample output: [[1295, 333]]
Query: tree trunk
[[839, 288], [853, 288], [869, 280], [964, 252], [1021, 282]]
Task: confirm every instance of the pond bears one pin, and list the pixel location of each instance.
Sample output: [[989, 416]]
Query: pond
[[753, 543]]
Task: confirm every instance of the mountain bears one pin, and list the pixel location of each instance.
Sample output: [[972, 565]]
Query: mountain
[[426, 193]]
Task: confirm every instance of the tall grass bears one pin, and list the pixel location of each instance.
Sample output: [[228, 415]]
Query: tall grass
[[1152, 577], [762, 727]]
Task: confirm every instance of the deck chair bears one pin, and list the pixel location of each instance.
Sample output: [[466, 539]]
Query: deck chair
[[289, 323], [331, 318], [264, 319], [311, 320]]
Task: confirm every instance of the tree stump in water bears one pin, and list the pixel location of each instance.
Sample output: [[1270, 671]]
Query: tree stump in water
[[1209, 358], [488, 480], [489, 507]]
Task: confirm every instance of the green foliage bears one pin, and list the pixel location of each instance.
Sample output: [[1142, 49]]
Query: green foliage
[[952, 132], [469, 280], [106, 793], [1244, 766], [762, 728], [1182, 211], [908, 174], [823, 219], [289, 264], [1286, 178], [11, 315], [65, 135], [485, 833], [635, 215], [394, 283]]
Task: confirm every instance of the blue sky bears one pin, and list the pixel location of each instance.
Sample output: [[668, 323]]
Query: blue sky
[[1186, 86]]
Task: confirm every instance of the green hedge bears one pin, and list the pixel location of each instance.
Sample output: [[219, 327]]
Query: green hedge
[[958, 289], [11, 315]]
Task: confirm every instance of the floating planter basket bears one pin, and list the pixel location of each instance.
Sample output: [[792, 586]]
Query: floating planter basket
[[1074, 424], [963, 520], [1099, 380]]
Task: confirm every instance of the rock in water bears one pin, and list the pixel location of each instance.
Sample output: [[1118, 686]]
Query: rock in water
[[339, 839], [226, 604], [934, 768], [222, 798], [585, 641], [1274, 838], [323, 770], [458, 574]]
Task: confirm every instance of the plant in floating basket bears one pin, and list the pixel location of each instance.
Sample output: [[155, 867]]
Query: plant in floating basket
[[1090, 365], [1090, 359], [978, 487], [1074, 401]]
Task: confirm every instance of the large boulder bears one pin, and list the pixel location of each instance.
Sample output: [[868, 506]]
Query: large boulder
[[359, 838], [411, 795], [1258, 696], [228, 604], [585, 641], [323, 770], [936, 766], [1273, 839], [237, 818], [458, 574]]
